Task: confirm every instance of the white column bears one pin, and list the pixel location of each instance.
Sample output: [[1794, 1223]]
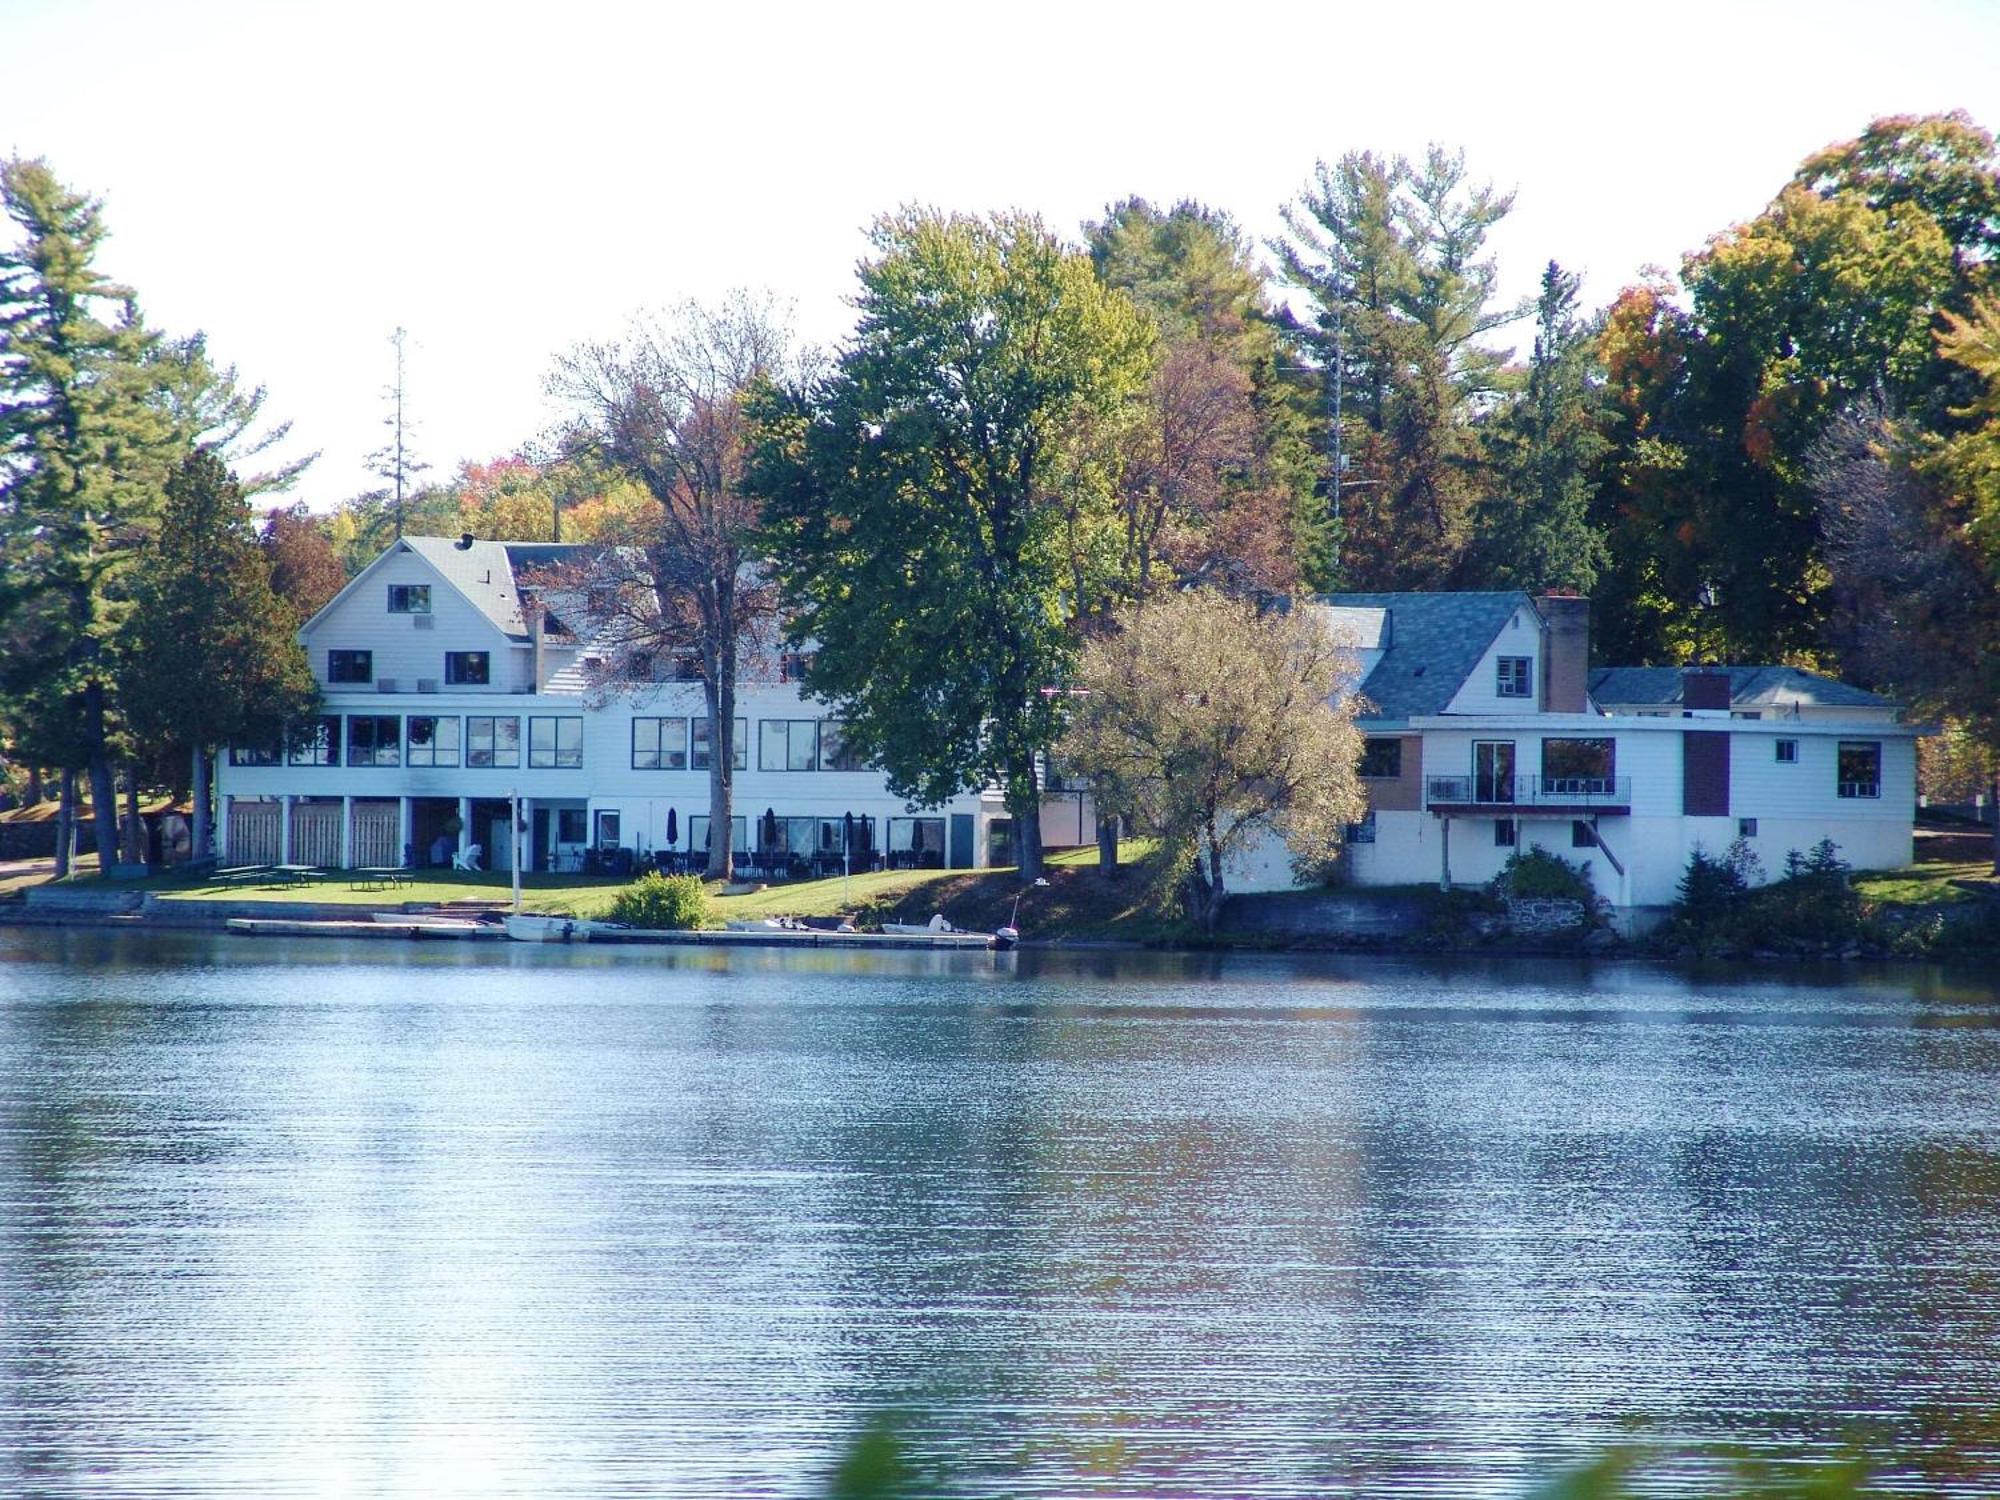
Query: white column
[[285, 829], [524, 841], [1444, 878], [405, 831], [346, 833], [221, 828], [465, 839]]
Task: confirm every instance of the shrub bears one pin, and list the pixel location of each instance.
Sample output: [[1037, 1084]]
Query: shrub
[[1538, 874], [663, 901]]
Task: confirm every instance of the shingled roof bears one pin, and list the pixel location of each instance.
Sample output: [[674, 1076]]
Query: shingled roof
[[484, 572], [1749, 687], [1434, 642]]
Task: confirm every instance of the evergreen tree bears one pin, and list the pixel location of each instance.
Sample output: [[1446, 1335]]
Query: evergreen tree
[[1535, 527], [82, 440], [211, 656], [1391, 252], [929, 528]]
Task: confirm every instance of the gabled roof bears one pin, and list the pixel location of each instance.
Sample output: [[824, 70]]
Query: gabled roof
[[1433, 641], [1749, 687], [484, 572]]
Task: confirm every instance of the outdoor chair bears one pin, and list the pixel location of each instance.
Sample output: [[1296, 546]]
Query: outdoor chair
[[469, 860]]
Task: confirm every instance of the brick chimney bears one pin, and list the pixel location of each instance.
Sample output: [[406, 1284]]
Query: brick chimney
[[1566, 652], [1705, 690]]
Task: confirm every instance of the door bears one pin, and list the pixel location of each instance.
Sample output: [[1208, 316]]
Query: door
[[1492, 770], [961, 841]]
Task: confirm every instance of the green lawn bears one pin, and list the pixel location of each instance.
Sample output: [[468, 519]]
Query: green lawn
[[1928, 884]]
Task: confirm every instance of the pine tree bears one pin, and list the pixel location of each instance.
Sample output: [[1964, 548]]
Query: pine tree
[[211, 656], [1535, 530], [82, 437]]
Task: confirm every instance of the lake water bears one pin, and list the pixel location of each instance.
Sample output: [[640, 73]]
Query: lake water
[[322, 1219]]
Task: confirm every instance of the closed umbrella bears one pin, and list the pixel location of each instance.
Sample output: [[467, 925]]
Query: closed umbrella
[[673, 833]]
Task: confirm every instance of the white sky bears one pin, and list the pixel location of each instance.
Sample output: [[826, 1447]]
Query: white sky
[[298, 178]]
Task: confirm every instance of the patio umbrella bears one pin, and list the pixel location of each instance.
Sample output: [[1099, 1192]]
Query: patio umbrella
[[673, 828], [847, 831], [770, 829]]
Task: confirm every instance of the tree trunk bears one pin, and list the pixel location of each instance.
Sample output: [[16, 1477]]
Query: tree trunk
[[132, 843], [1107, 843], [1994, 802], [35, 792], [103, 791], [720, 690], [198, 847], [1024, 805], [65, 824], [1213, 893]]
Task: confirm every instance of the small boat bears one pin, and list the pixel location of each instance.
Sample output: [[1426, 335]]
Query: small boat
[[937, 924], [528, 928], [767, 924]]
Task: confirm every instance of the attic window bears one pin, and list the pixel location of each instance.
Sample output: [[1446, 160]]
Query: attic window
[[409, 598]]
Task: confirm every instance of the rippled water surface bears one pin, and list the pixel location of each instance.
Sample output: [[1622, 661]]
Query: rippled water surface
[[421, 1219]]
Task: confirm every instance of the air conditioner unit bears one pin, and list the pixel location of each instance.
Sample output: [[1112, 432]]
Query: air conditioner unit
[[424, 622], [427, 684], [385, 685]]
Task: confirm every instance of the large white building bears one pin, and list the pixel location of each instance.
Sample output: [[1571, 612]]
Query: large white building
[[1488, 732], [446, 695]]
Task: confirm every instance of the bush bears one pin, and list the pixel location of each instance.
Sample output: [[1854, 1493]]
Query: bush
[[663, 901], [1722, 908], [1538, 874]]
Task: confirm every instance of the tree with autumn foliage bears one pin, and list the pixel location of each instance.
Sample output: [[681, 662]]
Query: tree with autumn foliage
[[305, 570], [679, 585]]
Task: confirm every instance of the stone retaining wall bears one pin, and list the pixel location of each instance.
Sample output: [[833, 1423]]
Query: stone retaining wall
[[1534, 914]]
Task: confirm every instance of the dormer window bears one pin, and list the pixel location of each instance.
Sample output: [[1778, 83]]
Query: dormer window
[[409, 598], [1516, 677]]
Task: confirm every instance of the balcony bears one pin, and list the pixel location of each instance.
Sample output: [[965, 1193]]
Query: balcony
[[1528, 796]]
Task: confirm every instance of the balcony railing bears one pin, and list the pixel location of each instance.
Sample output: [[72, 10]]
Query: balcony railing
[[1529, 791]]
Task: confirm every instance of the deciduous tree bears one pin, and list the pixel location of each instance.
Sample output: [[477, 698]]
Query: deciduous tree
[[682, 584], [930, 530], [1218, 726]]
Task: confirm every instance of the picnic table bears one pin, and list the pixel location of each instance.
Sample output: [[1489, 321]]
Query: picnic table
[[241, 875], [379, 877], [296, 875]]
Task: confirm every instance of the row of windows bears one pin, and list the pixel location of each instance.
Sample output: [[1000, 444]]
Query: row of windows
[[461, 668], [478, 740], [1590, 761], [556, 741]]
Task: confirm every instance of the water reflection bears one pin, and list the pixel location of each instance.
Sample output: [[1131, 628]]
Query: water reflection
[[326, 1219]]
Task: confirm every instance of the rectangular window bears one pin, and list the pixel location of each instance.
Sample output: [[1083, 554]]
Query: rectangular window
[[253, 755], [1746, 828], [409, 598], [659, 744], [739, 833], [1747, 713], [350, 666], [492, 741], [1582, 835], [555, 742], [1364, 831], [1860, 768], [1579, 768], [608, 825], [739, 745], [1516, 677], [431, 741], [569, 825], [466, 668], [1504, 836], [787, 744], [834, 755], [1382, 758], [316, 743], [374, 740], [1788, 752], [793, 665]]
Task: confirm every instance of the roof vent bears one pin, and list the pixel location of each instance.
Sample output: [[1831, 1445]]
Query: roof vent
[[465, 541]]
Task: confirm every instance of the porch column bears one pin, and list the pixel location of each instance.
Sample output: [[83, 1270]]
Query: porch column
[[346, 833], [221, 829], [285, 829], [524, 836], [465, 827], [405, 831], [1444, 879]]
